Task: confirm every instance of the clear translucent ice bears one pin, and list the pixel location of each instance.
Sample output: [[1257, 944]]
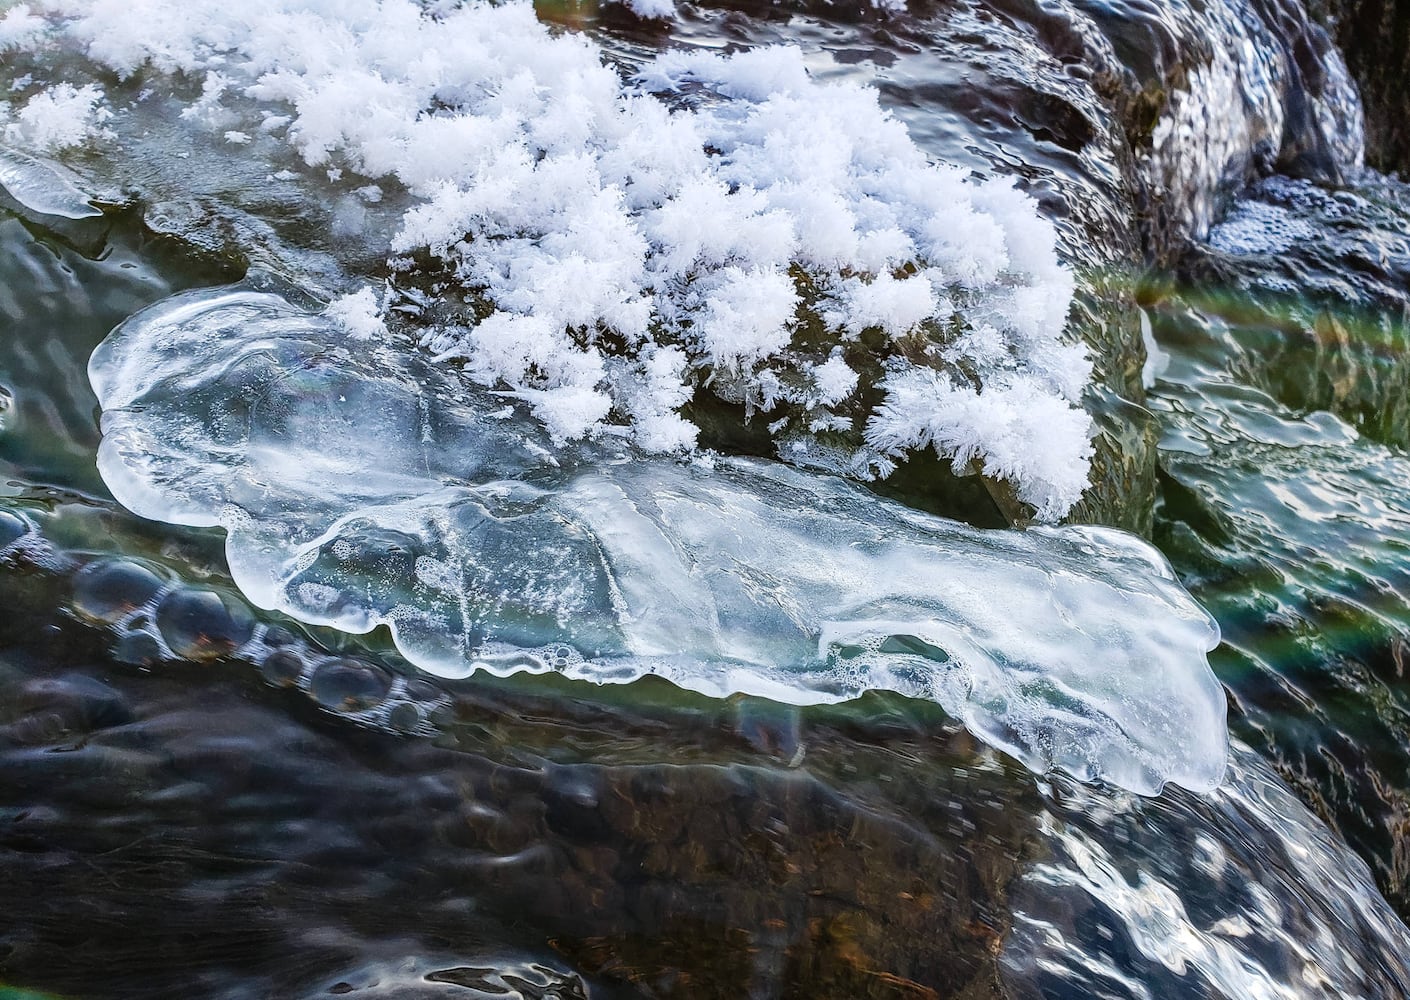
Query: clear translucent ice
[[42, 187], [361, 486]]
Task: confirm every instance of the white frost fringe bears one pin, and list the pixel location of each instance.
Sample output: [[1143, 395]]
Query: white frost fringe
[[628, 250]]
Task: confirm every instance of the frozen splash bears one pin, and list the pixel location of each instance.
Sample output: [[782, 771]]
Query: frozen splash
[[606, 248], [362, 487]]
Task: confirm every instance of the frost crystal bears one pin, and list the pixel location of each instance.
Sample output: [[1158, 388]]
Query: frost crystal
[[19, 27], [357, 314], [761, 235], [59, 118]]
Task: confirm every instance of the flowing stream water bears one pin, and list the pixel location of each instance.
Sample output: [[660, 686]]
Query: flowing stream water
[[587, 501]]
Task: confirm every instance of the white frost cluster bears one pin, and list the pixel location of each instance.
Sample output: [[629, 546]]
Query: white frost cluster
[[627, 250], [662, 10], [59, 118], [357, 314], [1025, 428], [19, 27]]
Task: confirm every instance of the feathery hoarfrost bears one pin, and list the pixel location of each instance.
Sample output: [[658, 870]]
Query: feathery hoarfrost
[[718, 223], [61, 117]]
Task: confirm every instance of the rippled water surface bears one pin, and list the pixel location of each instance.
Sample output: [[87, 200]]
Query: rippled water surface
[[202, 798]]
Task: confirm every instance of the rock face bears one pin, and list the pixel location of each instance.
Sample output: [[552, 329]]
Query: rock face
[[1374, 36], [1129, 124]]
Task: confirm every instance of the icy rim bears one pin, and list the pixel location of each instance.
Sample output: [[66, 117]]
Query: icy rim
[[617, 252], [359, 489]]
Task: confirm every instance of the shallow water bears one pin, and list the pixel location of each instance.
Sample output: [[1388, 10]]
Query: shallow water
[[1285, 505], [300, 842], [200, 797]]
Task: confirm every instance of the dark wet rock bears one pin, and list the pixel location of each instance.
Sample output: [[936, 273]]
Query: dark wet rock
[[68, 707], [1123, 466], [31, 598], [296, 857], [421, 690], [1275, 119], [1375, 37], [304, 857]]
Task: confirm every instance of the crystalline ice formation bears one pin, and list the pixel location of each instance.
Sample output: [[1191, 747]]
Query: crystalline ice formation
[[360, 487]]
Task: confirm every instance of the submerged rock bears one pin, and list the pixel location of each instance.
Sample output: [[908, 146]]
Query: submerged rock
[[558, 840], [1127, 125], [553, 845]]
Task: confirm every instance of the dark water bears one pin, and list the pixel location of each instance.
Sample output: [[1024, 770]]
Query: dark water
[[196, 828], [176, 821]]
